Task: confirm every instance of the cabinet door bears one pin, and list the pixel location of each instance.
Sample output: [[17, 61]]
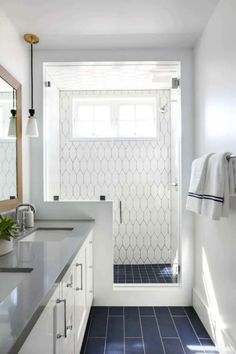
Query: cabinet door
[[80, 298], [89, 273], [43, 336], [67, 285]]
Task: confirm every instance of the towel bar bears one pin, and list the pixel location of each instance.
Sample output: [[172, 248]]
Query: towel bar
[[231, 157]]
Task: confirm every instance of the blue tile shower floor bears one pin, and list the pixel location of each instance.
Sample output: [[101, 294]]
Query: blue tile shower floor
[[146, 330], [144, 273]]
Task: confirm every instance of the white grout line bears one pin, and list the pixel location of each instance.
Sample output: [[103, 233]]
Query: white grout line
[[106, 330], [124, 327], [176, 329], [159, 331], [91, 320], [140, 275], [118, 274], [193, 328], [144, 350], [171, 338]]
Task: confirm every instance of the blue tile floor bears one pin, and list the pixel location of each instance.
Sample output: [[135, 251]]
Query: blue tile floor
[[146, 330], [144, 273]]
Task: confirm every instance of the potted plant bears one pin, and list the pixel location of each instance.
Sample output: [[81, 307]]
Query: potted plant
[[8, 231]]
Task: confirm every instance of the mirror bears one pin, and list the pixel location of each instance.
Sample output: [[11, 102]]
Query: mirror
[[10, 141]]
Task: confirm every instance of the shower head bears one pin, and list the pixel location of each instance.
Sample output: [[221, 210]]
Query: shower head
[[164, 109]]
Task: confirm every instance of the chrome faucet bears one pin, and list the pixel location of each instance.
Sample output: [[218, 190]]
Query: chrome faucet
[[20, 224]]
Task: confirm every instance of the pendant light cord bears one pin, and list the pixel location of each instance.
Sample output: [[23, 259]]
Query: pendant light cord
[[32, 78]]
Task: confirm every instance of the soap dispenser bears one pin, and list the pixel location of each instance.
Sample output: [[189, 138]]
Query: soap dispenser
[[29, 218]]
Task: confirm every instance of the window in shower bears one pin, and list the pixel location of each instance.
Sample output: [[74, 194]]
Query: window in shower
[[114, 117], [116, 132]]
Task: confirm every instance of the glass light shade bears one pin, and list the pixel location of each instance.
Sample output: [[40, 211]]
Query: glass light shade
[[12, 127], [32, 127]]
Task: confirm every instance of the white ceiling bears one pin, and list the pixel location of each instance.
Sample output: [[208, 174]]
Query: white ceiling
[[112, 76], [99, 24]]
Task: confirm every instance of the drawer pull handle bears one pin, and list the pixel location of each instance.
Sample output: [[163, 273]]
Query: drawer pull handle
[[69, 285], [81, 277], [58, 301]]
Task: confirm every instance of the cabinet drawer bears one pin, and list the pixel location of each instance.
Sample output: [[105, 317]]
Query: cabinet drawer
[[43, 336]]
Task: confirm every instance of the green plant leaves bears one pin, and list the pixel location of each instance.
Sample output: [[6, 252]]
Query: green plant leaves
[[8, 228]]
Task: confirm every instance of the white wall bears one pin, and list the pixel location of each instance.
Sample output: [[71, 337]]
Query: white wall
[[105, 295], [14, 57], [215, 94]]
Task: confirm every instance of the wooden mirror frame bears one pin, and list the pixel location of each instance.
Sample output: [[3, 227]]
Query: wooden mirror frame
[[12, 203]]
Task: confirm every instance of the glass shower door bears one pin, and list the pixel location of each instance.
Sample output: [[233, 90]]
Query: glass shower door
[[145, 216]]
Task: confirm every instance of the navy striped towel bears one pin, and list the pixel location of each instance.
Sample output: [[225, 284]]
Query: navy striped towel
[[209, 186]]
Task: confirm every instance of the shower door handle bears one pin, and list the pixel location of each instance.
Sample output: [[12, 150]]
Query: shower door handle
[[174, 184], [120, 212]]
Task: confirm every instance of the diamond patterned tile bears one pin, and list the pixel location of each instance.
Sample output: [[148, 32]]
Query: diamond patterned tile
[[7, 156], [135, 172]]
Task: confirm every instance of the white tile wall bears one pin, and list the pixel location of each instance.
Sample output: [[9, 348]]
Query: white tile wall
[[7, 169], [137, 173], [7, 153]]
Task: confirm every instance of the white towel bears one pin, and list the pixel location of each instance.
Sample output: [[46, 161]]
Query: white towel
[[232, 177], [215, 199], [234, 171], [197, 181]]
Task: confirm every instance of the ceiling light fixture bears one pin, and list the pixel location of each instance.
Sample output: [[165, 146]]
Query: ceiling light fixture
[[32, 126]]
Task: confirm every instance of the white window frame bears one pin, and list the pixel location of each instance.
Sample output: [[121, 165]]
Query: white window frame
[[115, 101]]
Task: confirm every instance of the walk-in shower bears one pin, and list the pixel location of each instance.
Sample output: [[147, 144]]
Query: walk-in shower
[[116, 133]]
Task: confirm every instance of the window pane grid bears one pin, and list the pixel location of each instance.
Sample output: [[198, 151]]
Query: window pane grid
[[114, 118]]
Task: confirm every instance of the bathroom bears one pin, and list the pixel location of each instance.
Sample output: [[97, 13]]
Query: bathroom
[[158, 277]]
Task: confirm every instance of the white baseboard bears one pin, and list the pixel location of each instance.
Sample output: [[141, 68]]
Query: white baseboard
[[224, 341]]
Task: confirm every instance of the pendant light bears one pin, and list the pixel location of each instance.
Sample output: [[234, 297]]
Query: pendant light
[[32, 126], [12, 124]]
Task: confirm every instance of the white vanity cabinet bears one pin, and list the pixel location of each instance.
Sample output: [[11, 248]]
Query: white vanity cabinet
[[42, 338], [83, 289], [61, 326]]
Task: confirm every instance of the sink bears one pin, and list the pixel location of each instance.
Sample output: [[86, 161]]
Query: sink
[[9, 281], [48, 234]]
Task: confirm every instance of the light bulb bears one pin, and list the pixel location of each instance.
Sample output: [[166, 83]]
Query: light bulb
[[12, 126], [32, 127]]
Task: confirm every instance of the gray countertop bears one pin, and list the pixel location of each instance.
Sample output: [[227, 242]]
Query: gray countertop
[[23, 304]]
